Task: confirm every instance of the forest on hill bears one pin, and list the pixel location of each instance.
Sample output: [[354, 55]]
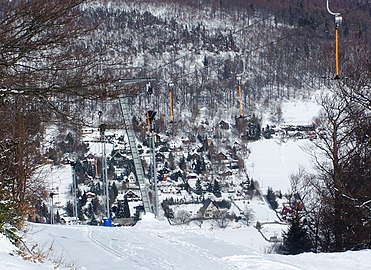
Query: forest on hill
[[284, 49]]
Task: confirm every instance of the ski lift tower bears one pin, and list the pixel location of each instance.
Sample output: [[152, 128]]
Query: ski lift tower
[[239, 77], [338, 21]]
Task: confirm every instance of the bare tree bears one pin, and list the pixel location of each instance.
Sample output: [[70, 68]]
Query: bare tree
[[344, 170], [182, 216], [248, 215], [43, 61], [222, 219]]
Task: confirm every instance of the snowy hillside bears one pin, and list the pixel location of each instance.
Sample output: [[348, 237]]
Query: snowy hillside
[[156, 245]]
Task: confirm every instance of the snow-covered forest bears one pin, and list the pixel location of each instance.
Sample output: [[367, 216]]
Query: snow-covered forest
[[227, 116]]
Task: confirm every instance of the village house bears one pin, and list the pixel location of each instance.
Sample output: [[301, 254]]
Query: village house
[[131, 196], [208, 210], [223, 125], [68, 220]]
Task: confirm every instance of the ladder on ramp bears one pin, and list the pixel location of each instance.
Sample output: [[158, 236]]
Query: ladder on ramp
[[143, 183]]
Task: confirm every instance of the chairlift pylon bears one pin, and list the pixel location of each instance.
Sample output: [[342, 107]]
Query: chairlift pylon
[[338, 21], [239, 77]]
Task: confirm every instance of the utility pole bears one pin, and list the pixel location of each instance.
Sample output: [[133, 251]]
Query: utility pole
[[338, 21], [150, 116], [51, 195], [239, 94], [239, 91], [73, 168], [107, 218], [171, 85]]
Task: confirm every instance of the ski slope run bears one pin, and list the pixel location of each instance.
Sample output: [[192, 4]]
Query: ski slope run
[[153, 244]]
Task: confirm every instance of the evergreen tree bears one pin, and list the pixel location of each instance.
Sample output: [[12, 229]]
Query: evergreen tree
[[296, 240], [271, 198], [198, 187], [83, 199], [58, 217], [209, 187], [252, 185], [182, 163], [126, 208], [216, 189], [120, 209], [69, 209], [200, 166], [123, 210], [113, 192]]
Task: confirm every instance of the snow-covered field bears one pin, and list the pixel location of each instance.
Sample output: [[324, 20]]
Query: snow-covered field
[[154, 244], [272, 162]]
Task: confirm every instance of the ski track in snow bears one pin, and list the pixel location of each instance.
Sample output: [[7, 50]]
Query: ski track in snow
[[109, 250], [117, 248], [155, 245]]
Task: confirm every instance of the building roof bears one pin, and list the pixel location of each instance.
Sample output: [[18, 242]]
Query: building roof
[[207, 203]]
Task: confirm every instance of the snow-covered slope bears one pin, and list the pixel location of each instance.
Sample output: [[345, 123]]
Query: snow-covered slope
[[154, 244]]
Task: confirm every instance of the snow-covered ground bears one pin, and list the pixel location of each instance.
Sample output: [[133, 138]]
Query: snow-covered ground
[[272, 162], [153, 244]]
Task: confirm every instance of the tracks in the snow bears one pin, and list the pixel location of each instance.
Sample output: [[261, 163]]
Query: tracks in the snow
[[111, 251]]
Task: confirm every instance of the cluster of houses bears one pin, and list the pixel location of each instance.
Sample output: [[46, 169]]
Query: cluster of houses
[[224, 166]]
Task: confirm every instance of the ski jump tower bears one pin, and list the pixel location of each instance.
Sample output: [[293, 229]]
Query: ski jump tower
[[143, 184], [149, 196]]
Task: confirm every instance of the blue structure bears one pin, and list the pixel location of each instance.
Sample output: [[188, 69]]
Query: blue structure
[[107, 222]]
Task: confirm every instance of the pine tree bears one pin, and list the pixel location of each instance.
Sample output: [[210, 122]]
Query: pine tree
[[113, 192], [83, 199], [182, 163], [216, 189], [271, 197], [58, 217], [69, 208], [198, 187], [252, 185], [120, 209], [296, 240], [209, 187], [123, 210], [126, 208]]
